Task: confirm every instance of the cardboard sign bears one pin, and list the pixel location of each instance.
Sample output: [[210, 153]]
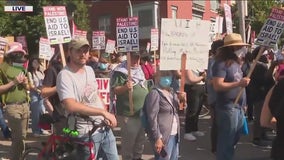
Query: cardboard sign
[[45, 51], [272, 28], [104, 89], [228, 18], [127, 32], [99, 40], [23, 41], [110, 46], [57, 25], [154, 39], [180, 36]]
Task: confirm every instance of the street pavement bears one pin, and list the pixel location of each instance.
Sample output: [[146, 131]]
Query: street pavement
[[197, 150]]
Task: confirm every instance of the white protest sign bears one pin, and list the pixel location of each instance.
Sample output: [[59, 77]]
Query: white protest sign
[[110, 46], [180, 36], [99, 40], [57, 25], [45, 51], [127, 32], [272, 29], [228, 18], [154, 39], [104, 89], [219, 24]]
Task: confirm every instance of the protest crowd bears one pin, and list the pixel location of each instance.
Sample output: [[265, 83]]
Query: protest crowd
[[242, 84]]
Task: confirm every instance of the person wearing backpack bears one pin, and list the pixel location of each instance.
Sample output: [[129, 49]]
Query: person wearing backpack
[[161, 112]]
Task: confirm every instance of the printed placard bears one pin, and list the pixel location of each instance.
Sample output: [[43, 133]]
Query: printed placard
[[272, 28], [57, 25], [110, 46], [180, 36], [127, 32], [154, 39], [99, 40], [45, 51], [104, 89], [79, 34], [228, 18]]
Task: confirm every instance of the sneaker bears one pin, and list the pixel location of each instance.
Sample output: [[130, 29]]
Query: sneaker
[[7, 133], [189, 137], [45, 132], [261, 143], [198, 133]]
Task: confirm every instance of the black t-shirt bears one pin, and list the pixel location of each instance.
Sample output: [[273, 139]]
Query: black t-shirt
[[50, 81], [276, 106]]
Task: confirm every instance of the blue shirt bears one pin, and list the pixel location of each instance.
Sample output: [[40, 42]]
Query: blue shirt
[[232, 73]]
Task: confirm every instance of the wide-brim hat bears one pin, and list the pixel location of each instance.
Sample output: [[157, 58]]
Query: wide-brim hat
[[16, 47], [233, 39], [77, 43]]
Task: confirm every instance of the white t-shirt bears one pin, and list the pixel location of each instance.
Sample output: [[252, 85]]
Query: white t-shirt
[[84, 89]]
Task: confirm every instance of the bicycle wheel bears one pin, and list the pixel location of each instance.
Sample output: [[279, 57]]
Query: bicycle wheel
[[31, 154]]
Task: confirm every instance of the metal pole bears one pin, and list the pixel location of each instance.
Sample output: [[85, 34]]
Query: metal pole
[[130, 6], [242, 19]]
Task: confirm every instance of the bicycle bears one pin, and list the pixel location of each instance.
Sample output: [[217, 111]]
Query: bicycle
[[61, 147]]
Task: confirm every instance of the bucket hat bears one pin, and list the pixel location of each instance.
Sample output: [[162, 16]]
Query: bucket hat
[[15, 47]]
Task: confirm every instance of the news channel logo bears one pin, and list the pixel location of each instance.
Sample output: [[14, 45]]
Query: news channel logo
[[17, 8]]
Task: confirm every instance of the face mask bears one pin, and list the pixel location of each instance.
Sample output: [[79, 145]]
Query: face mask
[[165, 81], [18, 65], [241, 52], [102, 66]]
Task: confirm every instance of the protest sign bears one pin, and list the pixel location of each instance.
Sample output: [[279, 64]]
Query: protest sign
[[45, 51], [228, 18], [127, 32], [79, 34], [57, 25], [180, 36], [98, 40], [104, 89], [3, 48], [154, 39], [272, 28], [110, 46], [23, 41]]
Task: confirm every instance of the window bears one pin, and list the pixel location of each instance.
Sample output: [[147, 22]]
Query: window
[[174, 12], [104, 23], [145, 18], [214, 5], [197, 15]]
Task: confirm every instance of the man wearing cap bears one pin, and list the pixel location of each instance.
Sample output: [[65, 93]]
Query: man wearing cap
[[228, 80], [132, 131], [78, 91], [15, 96]]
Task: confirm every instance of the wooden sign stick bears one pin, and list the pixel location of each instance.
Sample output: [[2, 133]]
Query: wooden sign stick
[[62, 54], [130, 93], [259, 54], [182, 79]]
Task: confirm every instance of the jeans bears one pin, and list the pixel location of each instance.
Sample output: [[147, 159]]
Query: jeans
[[172, 149], [229, 125], [213, 131], [133, 138], [104, 140], [18, 116], [3, 124], [37, 109], [194, 96]]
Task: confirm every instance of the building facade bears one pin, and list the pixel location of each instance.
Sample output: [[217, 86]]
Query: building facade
[[103, 13]]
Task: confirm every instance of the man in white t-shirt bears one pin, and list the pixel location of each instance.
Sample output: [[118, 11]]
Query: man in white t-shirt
[[78, 91]]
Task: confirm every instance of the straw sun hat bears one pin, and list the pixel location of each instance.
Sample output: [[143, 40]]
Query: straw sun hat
[[233, 39]]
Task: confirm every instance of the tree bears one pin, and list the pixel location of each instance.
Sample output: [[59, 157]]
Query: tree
[[32, 24]]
